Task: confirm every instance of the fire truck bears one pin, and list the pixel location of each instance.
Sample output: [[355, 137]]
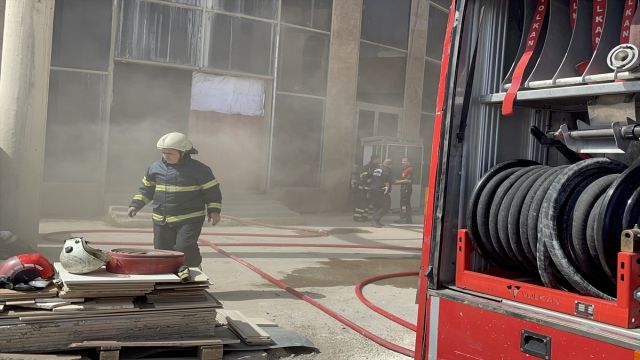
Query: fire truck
[[531, 247]]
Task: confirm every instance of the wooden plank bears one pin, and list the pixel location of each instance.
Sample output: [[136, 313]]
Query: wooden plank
[[49, 291], [101, 276], [262, 322], [209, 301], [107, 289], [45, 306], [6, 356], [210, 352], [109, 355], [138, 328], [245, 329], [186, 286], [20, 302], [56, 299], [159, 344], [97, 305], [48, 316], [64, 293]]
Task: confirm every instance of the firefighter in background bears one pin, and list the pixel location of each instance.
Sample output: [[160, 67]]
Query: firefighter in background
[[406, 188], [362, 198], [184, 192], [355, 193], [381, 192]]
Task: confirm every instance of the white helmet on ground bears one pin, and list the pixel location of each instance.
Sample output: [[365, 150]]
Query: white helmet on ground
[[79, 258], [175, 140]]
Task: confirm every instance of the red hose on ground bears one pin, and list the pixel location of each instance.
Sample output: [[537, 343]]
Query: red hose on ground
[[306, 233], [357, 328], [377, 309]]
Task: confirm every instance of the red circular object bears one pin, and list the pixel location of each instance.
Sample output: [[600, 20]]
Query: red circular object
[[144, 261]]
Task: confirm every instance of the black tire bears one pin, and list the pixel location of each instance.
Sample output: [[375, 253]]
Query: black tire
[[555, 203], [512, 238], [502, 243], [523, 221], [484, 207], [580, 218], [609, 222], [472, 209]]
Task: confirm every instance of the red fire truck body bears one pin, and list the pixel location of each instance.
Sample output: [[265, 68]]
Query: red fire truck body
[[513, 70]]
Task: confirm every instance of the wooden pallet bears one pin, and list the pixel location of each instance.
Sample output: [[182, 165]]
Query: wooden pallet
[[110, 350], [6, 356]]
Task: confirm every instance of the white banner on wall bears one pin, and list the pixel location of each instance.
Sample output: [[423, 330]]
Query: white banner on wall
[[227, 94]]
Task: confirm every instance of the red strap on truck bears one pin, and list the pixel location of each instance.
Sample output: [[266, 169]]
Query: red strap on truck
[[532, 39], [599, 11], [597, 24], [573, 9], [627, 18]]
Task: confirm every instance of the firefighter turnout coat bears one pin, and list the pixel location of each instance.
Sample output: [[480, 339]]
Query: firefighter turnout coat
[[182, 192]]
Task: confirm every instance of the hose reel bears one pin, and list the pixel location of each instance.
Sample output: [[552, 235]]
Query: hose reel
[[559, 224]]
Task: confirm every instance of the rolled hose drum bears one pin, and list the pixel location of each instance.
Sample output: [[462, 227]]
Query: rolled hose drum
[[559, 224], [144, 261]]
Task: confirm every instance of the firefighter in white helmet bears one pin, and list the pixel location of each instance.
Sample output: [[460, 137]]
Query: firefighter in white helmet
[[184, 192]]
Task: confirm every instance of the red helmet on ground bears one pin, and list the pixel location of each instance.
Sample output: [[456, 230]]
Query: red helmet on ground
[[24, 268]]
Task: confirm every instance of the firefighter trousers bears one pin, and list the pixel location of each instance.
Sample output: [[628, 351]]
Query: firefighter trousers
[[381, 204], [405, 206], [360, 205], [180, 237]]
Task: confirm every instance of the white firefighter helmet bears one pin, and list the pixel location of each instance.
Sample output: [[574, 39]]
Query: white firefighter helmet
[[77, 257], [175, 140]]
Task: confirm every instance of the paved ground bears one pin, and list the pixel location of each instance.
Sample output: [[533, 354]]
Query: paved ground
[[325, 274]]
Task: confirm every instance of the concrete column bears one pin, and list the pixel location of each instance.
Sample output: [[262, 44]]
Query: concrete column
[[24, 89], [340, 111], [2, 6], [409, 127]]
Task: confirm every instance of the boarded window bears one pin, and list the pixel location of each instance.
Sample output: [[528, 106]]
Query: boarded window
[[386, 22], [156, 32], [227, 95], [240, 44], [82, 34], [297, 141], [303, 64]]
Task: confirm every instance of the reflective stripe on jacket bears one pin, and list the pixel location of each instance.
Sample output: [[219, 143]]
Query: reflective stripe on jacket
[[182, 192]]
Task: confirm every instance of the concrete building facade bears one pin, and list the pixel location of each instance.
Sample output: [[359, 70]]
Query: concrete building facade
[[277, 95]]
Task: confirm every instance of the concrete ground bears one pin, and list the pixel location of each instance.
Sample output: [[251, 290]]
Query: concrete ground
[[325, 274]]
